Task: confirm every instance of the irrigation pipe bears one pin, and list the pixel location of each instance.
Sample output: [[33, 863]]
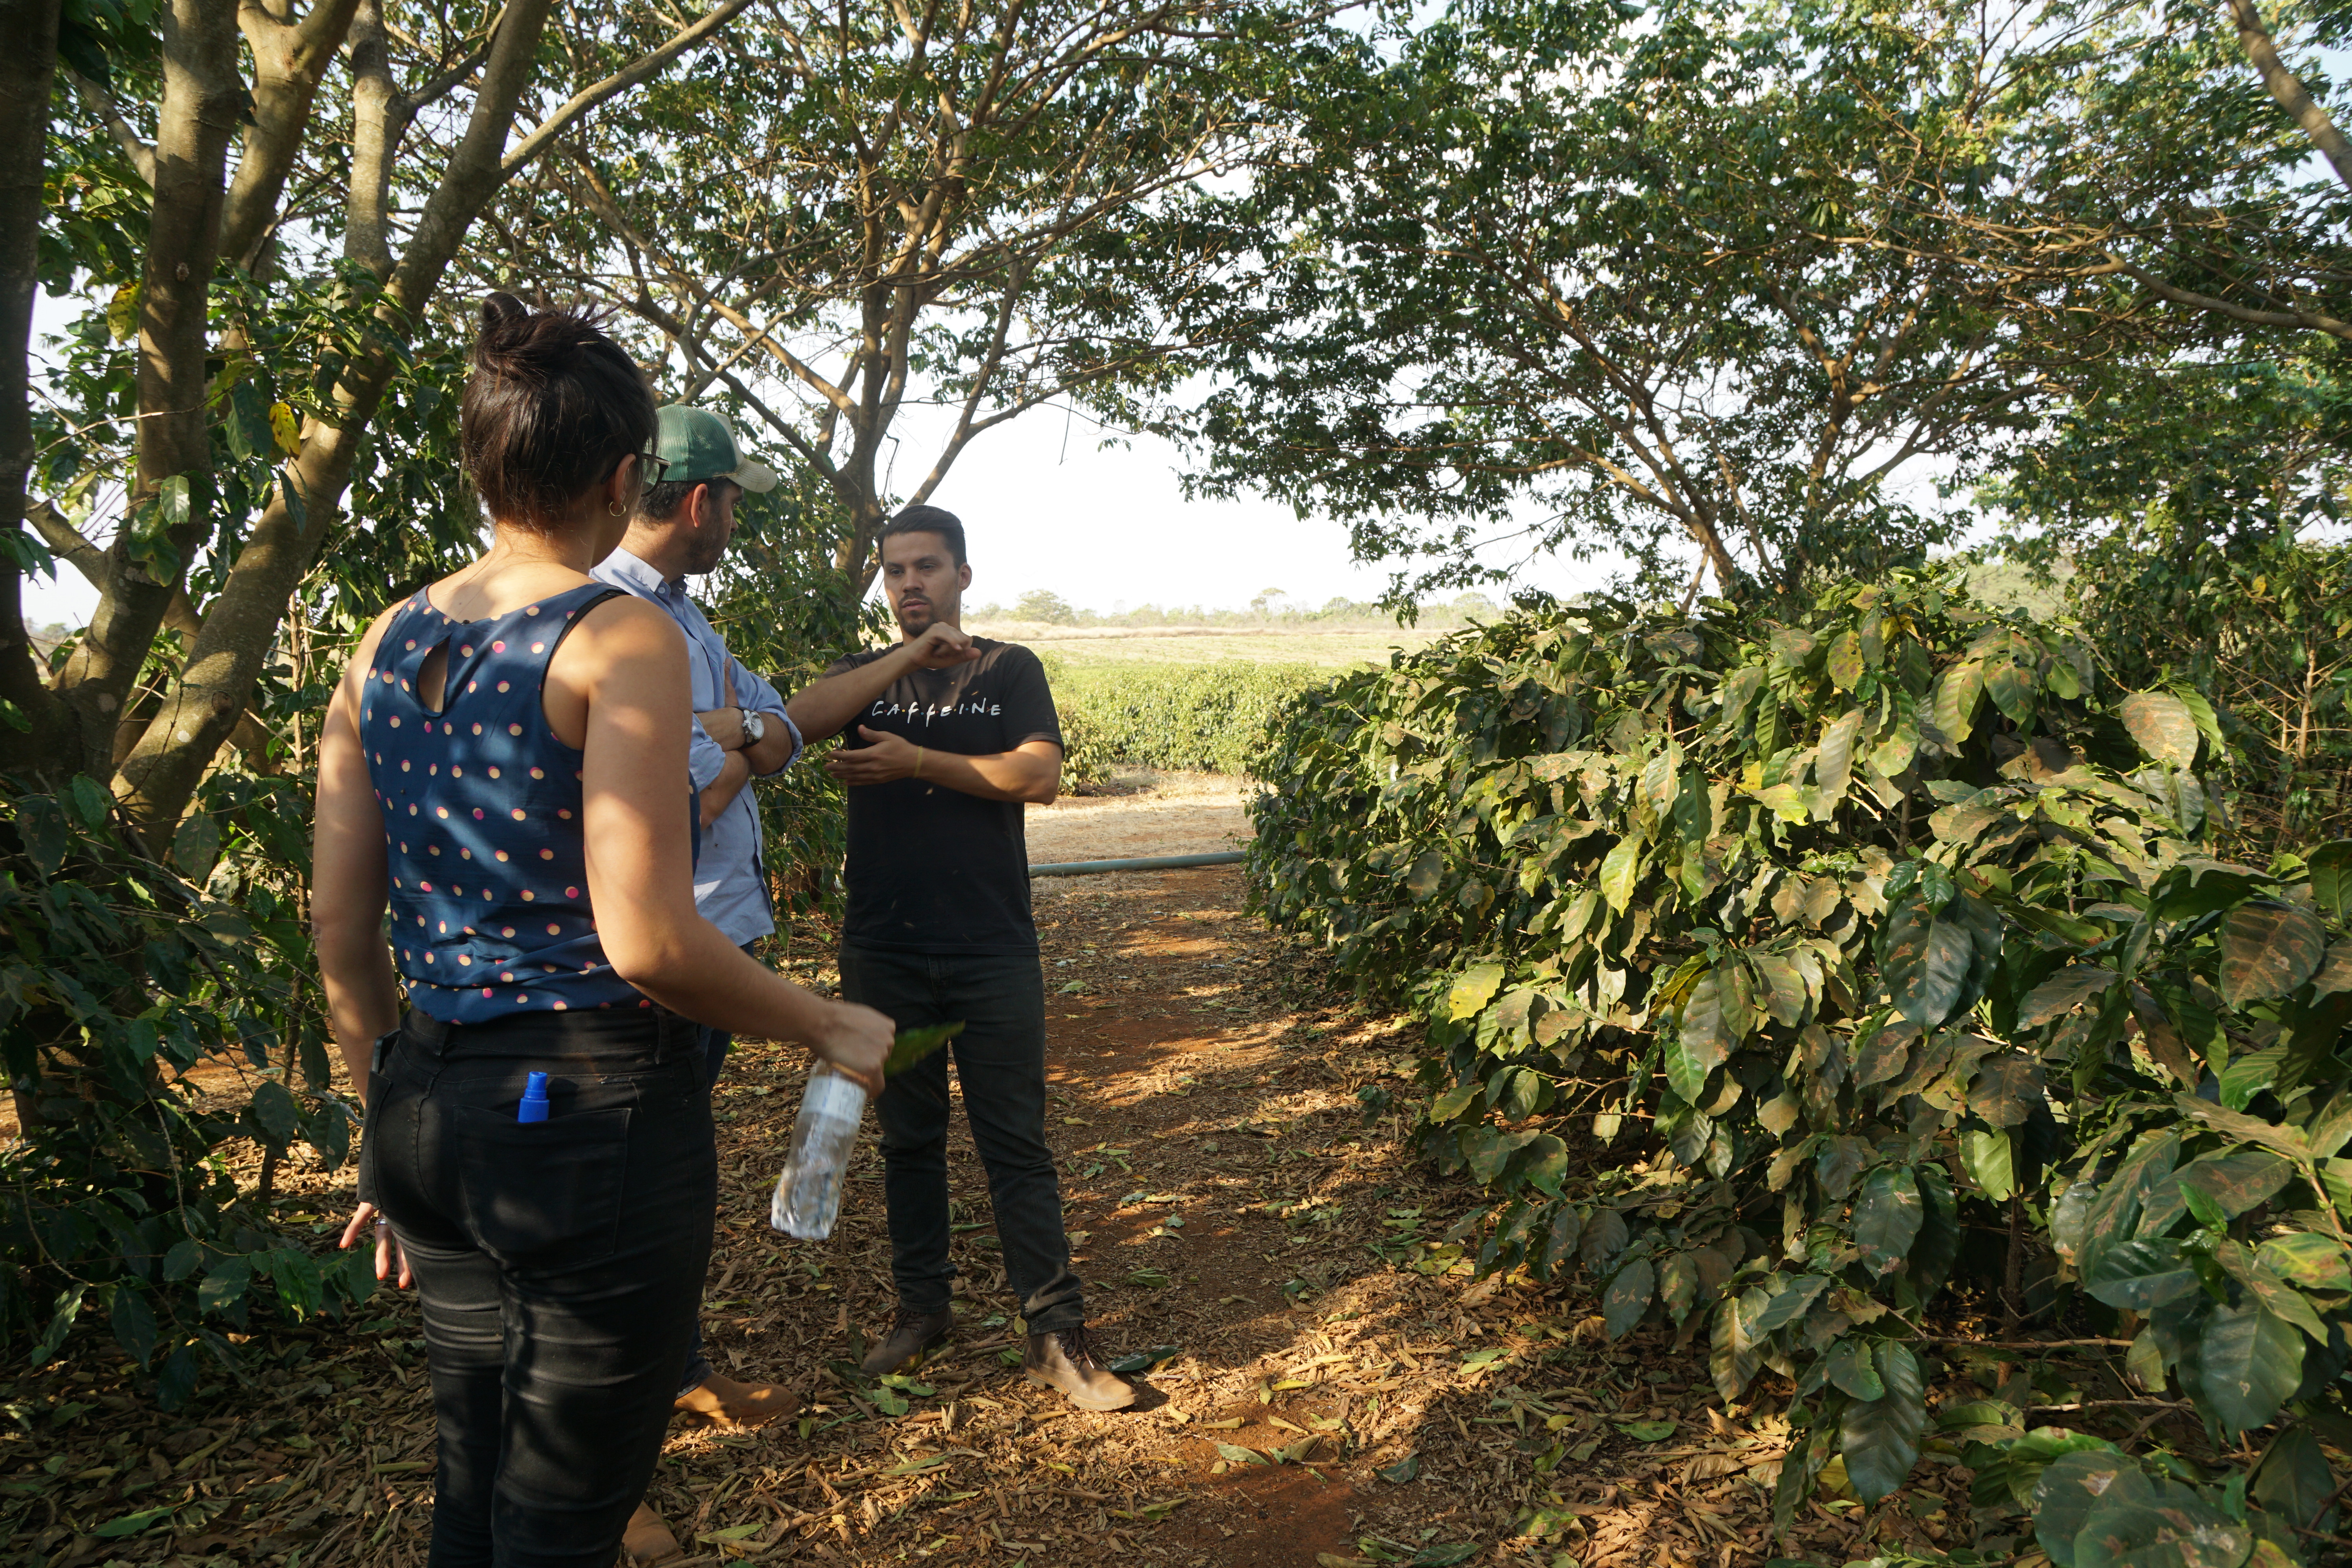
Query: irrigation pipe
[[1146, 863]]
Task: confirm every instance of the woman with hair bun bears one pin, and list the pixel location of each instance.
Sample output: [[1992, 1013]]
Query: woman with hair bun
[[503, 764]]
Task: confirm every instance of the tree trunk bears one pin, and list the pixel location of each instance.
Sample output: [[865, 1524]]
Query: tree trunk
[[202, 95], [27, 76], [241, 625]]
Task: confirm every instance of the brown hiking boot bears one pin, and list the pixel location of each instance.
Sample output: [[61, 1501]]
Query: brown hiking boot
[[648, 1539], [731, 1404], [1065, 1360], [913, 1336]]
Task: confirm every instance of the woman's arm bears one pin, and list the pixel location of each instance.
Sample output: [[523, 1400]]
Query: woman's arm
[[619, 685], [349, 880]]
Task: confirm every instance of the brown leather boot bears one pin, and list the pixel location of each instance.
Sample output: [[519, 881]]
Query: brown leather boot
[[1065, 1359], [733, 1404], [913, 1336], [648, 1539]]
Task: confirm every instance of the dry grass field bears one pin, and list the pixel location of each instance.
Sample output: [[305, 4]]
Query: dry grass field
[[1206, 645]]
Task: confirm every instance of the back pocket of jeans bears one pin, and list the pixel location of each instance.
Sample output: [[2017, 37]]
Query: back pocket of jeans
[[543, 1194]]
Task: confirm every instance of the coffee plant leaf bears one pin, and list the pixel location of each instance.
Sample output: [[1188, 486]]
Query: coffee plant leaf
[[2072, 1484], [2267, 951], [1887, 1218], [2331, 875], [1880, 1438], [1626, 1300], [2248, 1361], [2162, 725]]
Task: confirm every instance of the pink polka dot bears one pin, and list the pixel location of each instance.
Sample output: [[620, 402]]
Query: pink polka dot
[[467, 651], [502, 686], [547, 853], [539, 648], [494, 772], [429, 958], [497, 648], [518, 814], [424, 887], [527, 895], [559, 1006], [538, 772], [477, 729], [466, 960], [521, 996], [411, 642], [473, 686], [571, 892], [456, 771], [464, 855], [404, 765], [477, 813], [564, 812], [554, 930], [441, 811], [486, 990], [531, 611], [506, 976], [396, 720], [502, 854], [506, 931], [514, 729]]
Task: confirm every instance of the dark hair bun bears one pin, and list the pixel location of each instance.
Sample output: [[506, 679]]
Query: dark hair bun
[[553, 405]]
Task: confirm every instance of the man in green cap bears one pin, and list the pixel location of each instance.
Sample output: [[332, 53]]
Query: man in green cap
[[684, 522]]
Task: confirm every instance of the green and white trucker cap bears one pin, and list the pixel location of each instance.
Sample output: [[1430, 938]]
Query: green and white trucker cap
[[697, 445]]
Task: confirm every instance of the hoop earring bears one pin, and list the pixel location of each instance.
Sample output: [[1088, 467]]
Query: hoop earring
[[615, 508]]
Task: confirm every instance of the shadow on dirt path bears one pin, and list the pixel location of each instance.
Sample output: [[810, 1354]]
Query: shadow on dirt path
[[1339, 1395]]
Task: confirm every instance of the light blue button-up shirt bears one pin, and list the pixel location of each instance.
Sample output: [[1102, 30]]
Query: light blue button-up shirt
[[730, 887]]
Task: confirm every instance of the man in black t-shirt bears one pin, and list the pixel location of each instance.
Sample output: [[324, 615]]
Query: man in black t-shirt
[[939, 766]]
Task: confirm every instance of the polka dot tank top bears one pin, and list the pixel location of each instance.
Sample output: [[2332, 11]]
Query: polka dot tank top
[[481, 817]]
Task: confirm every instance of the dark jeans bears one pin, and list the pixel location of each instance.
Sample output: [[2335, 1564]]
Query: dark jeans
[[715, 1043], [558, 1264], [1000, 1061]]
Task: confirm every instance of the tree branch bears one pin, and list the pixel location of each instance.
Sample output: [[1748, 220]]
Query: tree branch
[[638, 70], [2285, 85], [102, 103]]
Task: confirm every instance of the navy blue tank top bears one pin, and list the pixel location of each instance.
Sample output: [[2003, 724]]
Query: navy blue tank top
[[481, 817]]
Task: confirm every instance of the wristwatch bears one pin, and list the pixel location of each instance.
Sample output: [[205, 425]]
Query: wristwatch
[[755, 729]]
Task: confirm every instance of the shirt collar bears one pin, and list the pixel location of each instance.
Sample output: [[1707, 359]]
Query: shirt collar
[[629, 572]]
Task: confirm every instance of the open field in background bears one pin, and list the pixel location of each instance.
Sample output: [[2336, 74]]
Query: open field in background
[[1205, 645]]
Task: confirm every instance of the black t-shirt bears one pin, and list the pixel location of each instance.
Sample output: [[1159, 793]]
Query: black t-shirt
[[932, 870]]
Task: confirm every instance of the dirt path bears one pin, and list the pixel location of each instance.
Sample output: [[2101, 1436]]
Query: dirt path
[[1331, 1403], [1154, 814]]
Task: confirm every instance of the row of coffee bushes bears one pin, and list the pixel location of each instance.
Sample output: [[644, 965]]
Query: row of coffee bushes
[[1780, 973]]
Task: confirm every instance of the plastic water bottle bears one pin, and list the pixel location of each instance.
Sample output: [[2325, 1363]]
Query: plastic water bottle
[[808, 1195], [534, 1099]]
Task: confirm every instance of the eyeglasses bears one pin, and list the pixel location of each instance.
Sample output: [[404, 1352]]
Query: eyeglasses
[[651, 467]]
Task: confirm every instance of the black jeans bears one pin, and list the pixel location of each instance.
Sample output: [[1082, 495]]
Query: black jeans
[[559, 1262], [1000, 1060], [714, 1046]]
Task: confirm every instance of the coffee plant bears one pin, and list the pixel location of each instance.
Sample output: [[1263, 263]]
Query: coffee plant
[[1779, 974], [118, 974]]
